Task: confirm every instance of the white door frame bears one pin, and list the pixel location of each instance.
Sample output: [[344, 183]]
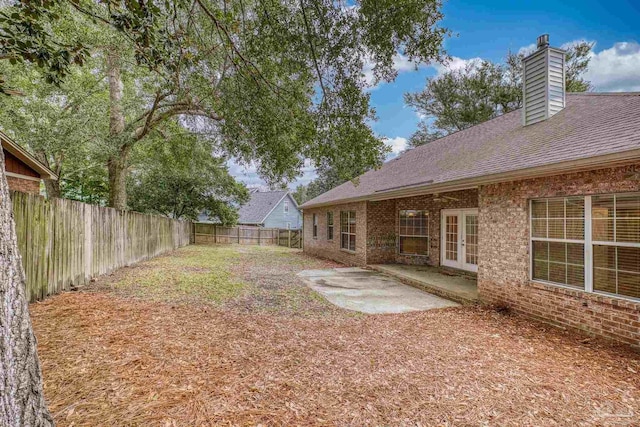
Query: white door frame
[[460, 263]]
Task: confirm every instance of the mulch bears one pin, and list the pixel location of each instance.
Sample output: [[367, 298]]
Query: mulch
[[114, 361]]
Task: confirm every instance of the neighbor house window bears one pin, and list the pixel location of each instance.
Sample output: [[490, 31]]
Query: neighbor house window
[[414, 232], [315, 226], [348, 230], [609, 225], [329, 225], [288, 226], [286, 206]]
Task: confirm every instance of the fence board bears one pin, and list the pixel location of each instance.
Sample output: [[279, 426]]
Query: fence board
[[205, 233], [65, 243]]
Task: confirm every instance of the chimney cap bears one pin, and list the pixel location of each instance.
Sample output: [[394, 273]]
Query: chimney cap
[[543, 41]]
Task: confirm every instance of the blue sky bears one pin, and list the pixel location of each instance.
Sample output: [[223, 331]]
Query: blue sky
[[487, 30]]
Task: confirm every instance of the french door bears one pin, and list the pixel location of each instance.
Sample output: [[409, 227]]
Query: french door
[[459, 245]]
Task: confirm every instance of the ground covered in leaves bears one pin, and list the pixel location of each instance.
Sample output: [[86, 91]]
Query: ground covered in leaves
[[228, 335]]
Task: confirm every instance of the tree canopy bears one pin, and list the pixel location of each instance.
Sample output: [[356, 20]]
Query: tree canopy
[[275, 82], [482, 90], [181, 178]]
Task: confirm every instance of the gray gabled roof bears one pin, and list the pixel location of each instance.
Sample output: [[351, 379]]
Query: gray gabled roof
[[592, 126], [259, 206]]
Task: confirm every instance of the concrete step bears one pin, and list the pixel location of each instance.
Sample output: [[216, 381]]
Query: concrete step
[[461, 289]]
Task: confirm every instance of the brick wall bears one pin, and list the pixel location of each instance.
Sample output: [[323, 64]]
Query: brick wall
[[330, 249], [23, 185], [503, 271], [453, 200], [381, 232], [377, 228]]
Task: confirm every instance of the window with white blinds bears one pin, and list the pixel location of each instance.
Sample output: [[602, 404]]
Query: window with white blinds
[[557, 234], [616, 244], [414, 232], [590, 242]]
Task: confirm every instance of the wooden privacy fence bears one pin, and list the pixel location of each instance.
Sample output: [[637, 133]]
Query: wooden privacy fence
[[65, 243], [246, 235], [290, 238]]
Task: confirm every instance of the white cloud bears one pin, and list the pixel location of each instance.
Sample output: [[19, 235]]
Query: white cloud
[[526, 50], [400, 63], [248, 174], [455, 64], [397, 145], [616, 69]]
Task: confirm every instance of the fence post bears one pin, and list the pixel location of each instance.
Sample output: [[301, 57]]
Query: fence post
[[259, 240], [238, 234], [215, 233], [289, 238]]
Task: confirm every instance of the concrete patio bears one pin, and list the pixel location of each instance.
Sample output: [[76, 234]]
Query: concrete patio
[[369, 291], [448, 284]]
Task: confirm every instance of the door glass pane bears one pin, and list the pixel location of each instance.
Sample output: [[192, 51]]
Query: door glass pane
[[471, 239], [451, 238]]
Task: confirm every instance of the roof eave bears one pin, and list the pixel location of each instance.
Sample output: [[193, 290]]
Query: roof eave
[[27, 158], [572, 166]]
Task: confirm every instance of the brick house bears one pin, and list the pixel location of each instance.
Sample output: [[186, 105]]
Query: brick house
[[541, 204], [24, 172]]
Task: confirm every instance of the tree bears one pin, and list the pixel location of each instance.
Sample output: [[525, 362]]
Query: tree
[[482, 90], [300, 194], [21, 399], [180, 178], [61, 126], [276, 82]]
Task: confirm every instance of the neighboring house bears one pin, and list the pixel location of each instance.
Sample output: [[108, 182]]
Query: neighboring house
[[24, 172], [542, 203], [271, 209]]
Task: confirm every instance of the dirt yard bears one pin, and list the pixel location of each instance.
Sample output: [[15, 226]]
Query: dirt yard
[[228, 335]]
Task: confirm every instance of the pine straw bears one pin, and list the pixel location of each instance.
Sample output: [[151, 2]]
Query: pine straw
[[115, 361]]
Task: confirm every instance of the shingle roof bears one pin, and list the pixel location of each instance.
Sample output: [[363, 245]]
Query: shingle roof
[[259, 206], [14, 148], [591, 125]]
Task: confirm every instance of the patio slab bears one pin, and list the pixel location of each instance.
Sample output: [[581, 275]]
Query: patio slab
[[370, 292], [458, 287]]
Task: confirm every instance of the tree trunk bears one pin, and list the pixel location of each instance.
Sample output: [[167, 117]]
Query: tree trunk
[[117, 163], [117, 166], [52, 186], [21, 396]]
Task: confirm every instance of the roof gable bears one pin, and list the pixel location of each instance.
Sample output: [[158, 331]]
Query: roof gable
[[591, 125], [27, 158], [259, 206]]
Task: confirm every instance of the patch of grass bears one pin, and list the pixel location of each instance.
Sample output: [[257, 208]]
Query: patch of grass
[[194, 273]]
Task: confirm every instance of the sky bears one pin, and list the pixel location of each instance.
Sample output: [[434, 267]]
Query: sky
[[488, 29]]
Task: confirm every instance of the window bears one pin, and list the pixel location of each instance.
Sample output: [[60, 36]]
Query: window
[[329, 225], [288, 226], [315, 226], [348, 230], [609, 225], [286, 206], [557, 234], [414, 232], [616, 244]]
